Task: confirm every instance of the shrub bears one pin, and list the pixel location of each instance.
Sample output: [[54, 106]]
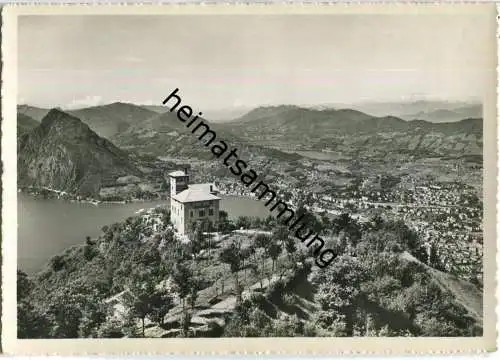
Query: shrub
[[89, 252], [214, 329], [57, 262], [288, 300], [310, 329], [275, 291]]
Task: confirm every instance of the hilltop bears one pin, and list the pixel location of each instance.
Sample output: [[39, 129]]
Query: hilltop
[[164, 135], [447, 115], [25, 123], [109, 120], [63, 153], [33, 112], [429, 110], [137, 279]]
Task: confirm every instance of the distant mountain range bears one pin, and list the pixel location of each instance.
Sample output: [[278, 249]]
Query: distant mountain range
[[25, 123], [33, 112], [445, 115], [432, 111], [109, 120], [265, 131], [106, 120], [164, 135], [63, 153], [350, 131]]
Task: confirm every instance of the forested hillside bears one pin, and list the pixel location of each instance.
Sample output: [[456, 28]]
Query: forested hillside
[[138, 280]]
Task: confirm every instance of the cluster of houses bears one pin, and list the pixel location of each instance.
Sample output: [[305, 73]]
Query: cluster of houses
[[442, 213]]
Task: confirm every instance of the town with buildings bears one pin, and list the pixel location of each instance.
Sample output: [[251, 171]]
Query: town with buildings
[[447, 214]]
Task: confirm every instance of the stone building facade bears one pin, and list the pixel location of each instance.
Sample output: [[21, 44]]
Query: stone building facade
[[190, 203]]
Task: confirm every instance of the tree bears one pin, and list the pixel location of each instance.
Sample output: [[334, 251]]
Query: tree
[[291, 248], [24, 285], [274, 251], [182, 277], [219, 276], [245, 254], [434, 259], [193, 293], [93, 315], [57, 262], [197, 242], [280, 233], [110, 329], [161, 303], [65, 313], [325, 221], [147, 300], [31, 323], [342, 222], [184, 281], [225, 224], [376, 222], [339, 289], [243, 222], [88, 240], [140, 307], [407, 237], [233, 257], [270, 222], [262, 241], [207, 226]]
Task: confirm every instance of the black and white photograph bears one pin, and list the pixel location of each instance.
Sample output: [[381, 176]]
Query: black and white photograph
[[257, 175]]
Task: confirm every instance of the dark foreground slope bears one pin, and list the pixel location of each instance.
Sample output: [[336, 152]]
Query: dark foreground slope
[[138, 280], [63, 153]]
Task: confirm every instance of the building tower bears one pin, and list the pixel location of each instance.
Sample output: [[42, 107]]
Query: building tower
[[179, 181]]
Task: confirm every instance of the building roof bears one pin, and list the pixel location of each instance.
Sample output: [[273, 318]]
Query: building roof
[[193, 195], [177, 173]]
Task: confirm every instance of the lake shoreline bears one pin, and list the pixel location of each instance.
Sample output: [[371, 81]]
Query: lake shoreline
[[62, 195], [41, 193], [48, 226]]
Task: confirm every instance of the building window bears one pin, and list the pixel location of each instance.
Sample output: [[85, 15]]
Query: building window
[[210, 212], [202, 213], [191, 213]]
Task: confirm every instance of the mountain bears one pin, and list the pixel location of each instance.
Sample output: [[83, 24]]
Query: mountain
[[33, 112], [156, 108], [225, 115], [108, 120], [446, 115], [433, 111], [165, 135], [63, 153], [353, 132], [284, 118], [25, 124]]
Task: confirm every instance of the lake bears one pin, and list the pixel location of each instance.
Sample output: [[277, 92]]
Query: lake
[[47, 226]]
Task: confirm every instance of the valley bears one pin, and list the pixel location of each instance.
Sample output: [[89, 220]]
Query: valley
[[394, 197]]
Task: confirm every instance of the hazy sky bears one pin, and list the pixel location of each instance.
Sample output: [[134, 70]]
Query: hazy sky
[[219, 62]]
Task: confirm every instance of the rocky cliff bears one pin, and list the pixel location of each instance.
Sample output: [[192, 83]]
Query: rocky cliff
[[63, 153]]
